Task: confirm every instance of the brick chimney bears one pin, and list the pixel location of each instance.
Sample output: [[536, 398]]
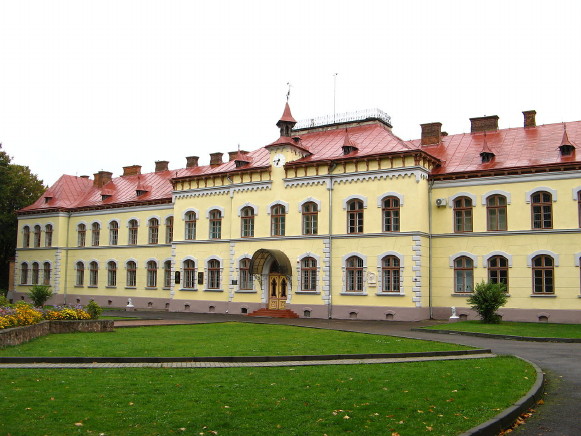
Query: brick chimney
[[215, 159], [484, 124], [530, 118], [192, 161], [161, 165], [132, 170], [102, 178], [431, 133]]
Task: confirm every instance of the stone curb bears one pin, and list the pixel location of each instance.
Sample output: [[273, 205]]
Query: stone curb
[[508, 416], [241, 359], [495, 336]]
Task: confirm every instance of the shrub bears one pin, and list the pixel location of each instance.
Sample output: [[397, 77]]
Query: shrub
[[3, 300], [487, 299], [94, 309], [66, 313], [39, 294]]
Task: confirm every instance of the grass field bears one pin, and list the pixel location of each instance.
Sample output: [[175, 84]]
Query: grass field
[[436, 398], [527, 329], [222, 339]]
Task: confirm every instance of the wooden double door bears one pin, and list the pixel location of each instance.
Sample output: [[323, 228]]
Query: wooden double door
[[277, 291]]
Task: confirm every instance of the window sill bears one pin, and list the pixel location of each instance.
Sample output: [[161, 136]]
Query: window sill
[[188, 290], [308, 292], [353, 293], [76, 286], [252, 291], [390, 294], [26, 284], [92, 286], [213, 290], [110, 287], [130, 287], [166, 288], [462, 294], [151, 288], [544, 295]]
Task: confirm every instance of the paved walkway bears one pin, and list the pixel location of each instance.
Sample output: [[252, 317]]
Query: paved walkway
[[559, 416]]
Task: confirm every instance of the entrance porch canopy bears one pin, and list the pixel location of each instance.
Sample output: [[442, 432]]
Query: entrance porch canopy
[[281, 263]]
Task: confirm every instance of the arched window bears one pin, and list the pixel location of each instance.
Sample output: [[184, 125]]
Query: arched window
[[189, 274], [190, 229], [542, 210], [215, 224], [23, 273], [80, 267], [277, 220], [462, 214], [131, 267], [498, 270], [95, 234], [26, 237], [579, 207], [81, 235], [151, 274], [153, 235], [496, 213], [390, 270], [167, 274], [169, 229], [46, 274], [354, 270], [111, 273], [133, 228], [247, 222], [35, 273], [93, 273], [390, 209], [48, 235], [463, 275], [310, 218], [37, 233], [113, 233], [245, 276], [308, 274], [214, 274], [355, 216], [543, 274]]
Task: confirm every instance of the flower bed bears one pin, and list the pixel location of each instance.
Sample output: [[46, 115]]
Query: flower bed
[[23, 314]]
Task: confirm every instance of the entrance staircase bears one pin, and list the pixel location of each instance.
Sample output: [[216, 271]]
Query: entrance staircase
[[270, 313]]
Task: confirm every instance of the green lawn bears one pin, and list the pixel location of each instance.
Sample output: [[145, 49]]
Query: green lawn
[[437, 398], [528, 329], [222, 339]]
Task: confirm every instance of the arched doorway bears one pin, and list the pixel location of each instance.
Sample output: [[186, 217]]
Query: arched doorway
[[274, 271]]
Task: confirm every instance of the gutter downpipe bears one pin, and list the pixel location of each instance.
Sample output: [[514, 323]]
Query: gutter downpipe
[[430, 185], [330, 189], [67, 258]]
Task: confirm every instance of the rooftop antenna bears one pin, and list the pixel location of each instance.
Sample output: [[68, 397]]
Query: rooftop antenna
[[334, 94], [288, 92]]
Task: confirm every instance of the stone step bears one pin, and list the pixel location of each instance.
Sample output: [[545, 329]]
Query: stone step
[[270, 313]]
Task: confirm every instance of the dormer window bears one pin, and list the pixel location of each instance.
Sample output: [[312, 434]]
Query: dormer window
[[105, 197], [349, 149], [566, 150], [486, 156], [140, 192], [240, 163], [47, 199]]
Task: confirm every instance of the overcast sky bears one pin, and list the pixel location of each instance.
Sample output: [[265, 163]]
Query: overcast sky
[[98, 85]]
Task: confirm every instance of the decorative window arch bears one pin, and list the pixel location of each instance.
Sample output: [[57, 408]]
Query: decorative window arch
[[111, 273], [214, 271], [247, 215], [93, 273], [113, 232], [284, 204], [453, 257], [530, 257], [48, 232], [131, 273], [461, 194], [310, 200], [354, 267], [310, 218], [37, 235], [215, 216], [308, 272], [153, 230], [133, 226], [245, 282], [247, 204], [389, 194], [189, 265], [529, 194], [95, 233], [486, 257], [190, 218], [80, 273], [355, 197], [151, 273], [496, 192], [543, 269], [209, 210], [24, 273]]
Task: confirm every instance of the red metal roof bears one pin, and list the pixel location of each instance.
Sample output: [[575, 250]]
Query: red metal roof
[[513, 148], [286, 115]]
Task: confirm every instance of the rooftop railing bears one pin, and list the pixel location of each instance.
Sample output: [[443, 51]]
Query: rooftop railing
[[345, 117]]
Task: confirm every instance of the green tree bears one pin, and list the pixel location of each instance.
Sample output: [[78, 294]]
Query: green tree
[[487, 299], [18, 188]]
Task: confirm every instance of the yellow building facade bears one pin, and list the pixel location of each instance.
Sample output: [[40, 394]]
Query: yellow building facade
[[338, 218]]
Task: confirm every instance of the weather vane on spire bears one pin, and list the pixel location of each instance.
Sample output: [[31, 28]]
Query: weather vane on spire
[[288, 92]]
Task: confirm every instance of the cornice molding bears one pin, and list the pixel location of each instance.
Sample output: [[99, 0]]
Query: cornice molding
[[516, 178], [222, 190]]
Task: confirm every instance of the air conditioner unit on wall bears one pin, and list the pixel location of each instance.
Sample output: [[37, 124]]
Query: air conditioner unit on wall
[[441, 202]]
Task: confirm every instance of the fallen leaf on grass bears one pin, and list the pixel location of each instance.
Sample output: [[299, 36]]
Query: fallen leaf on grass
[[79, 424]]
